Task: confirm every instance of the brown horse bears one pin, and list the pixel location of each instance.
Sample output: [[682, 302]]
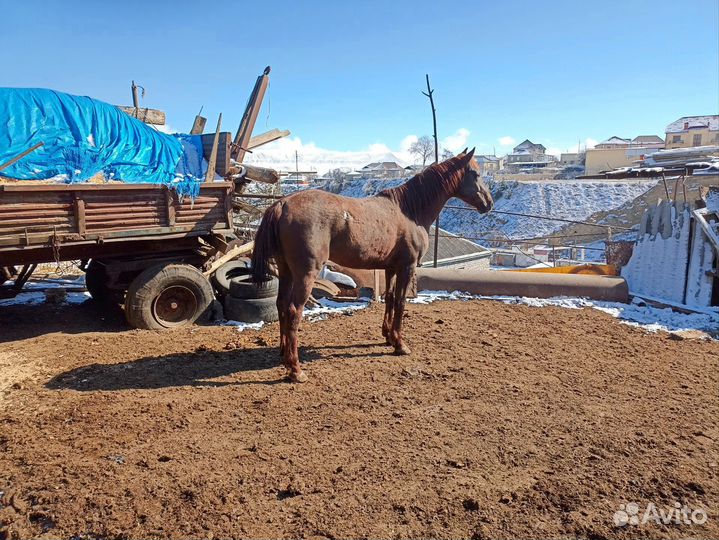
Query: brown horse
[[388, 231]]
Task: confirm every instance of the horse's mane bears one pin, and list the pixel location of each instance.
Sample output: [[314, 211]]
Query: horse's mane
[[416, 195]]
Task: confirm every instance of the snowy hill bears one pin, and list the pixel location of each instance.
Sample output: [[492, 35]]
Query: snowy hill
[[567, 199]]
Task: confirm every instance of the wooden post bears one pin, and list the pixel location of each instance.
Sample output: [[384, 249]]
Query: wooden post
[[244, 131], [429, 93], [198, 126], [212, 162]]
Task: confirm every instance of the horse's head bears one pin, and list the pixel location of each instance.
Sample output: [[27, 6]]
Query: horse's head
[[472, 188]]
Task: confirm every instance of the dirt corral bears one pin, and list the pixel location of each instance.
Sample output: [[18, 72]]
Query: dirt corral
[[506, 421]]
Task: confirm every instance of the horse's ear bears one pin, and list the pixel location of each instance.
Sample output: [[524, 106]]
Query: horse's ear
[[471, 153], [462, 152], [466, 158]]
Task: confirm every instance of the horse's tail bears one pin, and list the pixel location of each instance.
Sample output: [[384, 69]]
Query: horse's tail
[[266, 242]]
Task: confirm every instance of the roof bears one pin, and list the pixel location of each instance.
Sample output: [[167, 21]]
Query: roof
[[528, 144], [384, 165], [486, 159], [452, 246], [616, 141], [647, 139], [710, 121]]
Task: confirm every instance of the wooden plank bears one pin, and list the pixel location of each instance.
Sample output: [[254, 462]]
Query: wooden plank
[[198, 126], [148, 116], [261, 174], [21, 186], [20, 156], [212, 162], [267, 137], [233, 253], [244, 131], [80, 215]]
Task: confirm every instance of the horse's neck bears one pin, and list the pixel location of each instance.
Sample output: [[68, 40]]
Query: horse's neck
[[428, 208]]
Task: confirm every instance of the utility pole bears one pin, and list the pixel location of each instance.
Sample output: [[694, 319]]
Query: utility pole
[[429, 93], [297, 166]]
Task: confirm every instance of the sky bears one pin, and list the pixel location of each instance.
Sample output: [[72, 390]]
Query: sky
[[347, 77]]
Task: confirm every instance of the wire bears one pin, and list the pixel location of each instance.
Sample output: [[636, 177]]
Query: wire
[[544, 217]]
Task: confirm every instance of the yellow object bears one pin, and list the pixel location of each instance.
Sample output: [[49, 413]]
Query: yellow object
[[590, 269]]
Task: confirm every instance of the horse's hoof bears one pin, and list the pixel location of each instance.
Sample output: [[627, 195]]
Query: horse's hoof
[[388, 341], [402, 350], [298, 377]]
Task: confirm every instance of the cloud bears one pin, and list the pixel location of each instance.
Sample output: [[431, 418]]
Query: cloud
[[280, 155], [590, 143], [457, 141], [507, 140]]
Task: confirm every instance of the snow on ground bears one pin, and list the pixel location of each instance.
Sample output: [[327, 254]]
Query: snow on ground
[[635, 314], [567, 199]]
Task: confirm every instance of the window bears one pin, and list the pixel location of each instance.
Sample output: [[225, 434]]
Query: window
[[677, 139], [697, 140]]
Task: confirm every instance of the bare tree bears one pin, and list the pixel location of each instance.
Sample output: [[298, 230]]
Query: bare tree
[[337, 174], [423, 148], [446, 154]]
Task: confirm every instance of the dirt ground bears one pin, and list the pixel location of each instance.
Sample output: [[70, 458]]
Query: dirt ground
[[505, 422]]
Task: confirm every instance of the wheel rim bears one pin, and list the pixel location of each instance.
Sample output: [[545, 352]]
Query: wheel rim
[[174, 306]]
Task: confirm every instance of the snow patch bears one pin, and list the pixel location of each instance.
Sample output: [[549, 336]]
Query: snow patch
[[635, 314]]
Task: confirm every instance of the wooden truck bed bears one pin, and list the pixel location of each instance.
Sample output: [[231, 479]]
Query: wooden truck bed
[[47, 222]]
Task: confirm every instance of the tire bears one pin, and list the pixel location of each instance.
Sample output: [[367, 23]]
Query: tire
[[96, 283], [229, 270], [243, 288], [168, 296], [251, 310]]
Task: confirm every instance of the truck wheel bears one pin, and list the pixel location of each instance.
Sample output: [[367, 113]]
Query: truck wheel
[[167, 296], [96, 283], [251, 310], [243, 287]]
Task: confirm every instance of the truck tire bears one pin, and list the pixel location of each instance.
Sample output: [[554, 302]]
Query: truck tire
[[168, 296], [242, 287], [96, 284], [251, 310], [229, 270]]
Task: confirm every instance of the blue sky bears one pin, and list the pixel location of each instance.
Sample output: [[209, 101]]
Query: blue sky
[[347, 75]]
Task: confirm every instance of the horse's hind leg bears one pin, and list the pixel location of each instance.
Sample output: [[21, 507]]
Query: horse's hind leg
[[388, 305], [283, 302], [404, 276], [301, 289]]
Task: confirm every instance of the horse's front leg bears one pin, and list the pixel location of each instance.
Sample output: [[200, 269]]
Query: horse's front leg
[[404, 276], [388, 305], [283, 303]]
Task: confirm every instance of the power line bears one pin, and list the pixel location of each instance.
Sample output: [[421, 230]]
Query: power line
[[546, 217]]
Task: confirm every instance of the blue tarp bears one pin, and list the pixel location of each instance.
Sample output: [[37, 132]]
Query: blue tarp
[[83, 136]]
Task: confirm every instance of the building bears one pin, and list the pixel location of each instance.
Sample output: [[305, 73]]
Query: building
[[568, 159], [456, 252], [526, 152], [527, 155], [488, 165], [691, 131], [618, 152], [382, 169]]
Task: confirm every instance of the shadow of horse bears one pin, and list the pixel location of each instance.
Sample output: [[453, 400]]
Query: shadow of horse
[[197, 369]]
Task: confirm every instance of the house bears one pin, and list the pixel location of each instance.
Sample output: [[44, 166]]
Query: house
[[528, 155], [568, 159], [382, 169], [691, 131], [618, 152], [526, 152], [488, 165], [456, 252]]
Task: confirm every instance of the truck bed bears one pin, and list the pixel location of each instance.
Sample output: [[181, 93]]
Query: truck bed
[[45, 222]]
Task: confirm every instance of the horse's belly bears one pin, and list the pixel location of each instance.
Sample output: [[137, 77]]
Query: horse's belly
[[362, 248]]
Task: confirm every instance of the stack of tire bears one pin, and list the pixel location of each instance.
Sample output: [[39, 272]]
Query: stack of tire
[[243, 299]]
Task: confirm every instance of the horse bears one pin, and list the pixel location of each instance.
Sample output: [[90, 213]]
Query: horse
[[389, 231]]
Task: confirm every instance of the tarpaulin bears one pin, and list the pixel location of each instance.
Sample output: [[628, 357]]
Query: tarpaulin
[[82, 136]]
